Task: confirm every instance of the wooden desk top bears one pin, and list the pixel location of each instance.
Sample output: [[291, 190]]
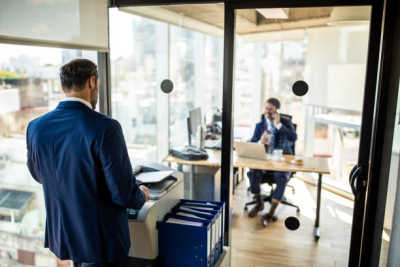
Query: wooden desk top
[[214, 159], [315, 165]]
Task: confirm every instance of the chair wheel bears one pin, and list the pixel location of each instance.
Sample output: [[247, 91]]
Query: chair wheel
[[264, 222], [246, 208]]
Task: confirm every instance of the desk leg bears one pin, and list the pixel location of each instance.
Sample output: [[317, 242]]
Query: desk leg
[[180, 167], [191, 183], [234, 184], [187, 183], [316, 226]]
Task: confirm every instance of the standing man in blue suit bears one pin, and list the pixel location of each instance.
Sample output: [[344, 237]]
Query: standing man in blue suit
[[80, 158], [275, 132]]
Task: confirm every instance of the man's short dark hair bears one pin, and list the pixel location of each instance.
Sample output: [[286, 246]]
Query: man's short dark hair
[[75, 73], [275, 102]]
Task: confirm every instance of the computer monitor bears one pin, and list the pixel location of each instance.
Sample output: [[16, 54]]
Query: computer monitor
[[193, 123], [195, 120]]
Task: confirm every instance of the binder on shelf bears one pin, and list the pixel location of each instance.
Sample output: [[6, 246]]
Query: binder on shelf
[[206, 206], [185, 241]]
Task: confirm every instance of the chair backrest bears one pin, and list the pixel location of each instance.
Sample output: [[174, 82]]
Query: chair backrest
[[289, 117]]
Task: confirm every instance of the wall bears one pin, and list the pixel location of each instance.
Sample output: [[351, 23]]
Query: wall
[[335, 66]]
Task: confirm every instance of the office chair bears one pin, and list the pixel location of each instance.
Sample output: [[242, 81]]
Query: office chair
[[269, 179]]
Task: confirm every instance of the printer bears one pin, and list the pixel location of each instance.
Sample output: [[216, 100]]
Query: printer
[[166, 189]]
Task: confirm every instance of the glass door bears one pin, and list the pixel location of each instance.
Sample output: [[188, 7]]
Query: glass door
[[336, 55]]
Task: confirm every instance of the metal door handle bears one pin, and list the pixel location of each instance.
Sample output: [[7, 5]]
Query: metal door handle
[[353, 177]]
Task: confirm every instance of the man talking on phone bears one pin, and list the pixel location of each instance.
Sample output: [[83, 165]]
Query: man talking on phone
[[275, 132], [80, 158]]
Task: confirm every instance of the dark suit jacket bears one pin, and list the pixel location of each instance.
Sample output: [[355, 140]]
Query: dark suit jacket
[[80, 158], [281, 139]]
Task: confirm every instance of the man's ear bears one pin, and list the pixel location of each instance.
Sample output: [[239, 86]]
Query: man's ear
[[92, 82]]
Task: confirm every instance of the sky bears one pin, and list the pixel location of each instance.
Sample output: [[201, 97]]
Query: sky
[[47, 55]]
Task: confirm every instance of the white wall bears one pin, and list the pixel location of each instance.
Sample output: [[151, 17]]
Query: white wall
[[335, 66]]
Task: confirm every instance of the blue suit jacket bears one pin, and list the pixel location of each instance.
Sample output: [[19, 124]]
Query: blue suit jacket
[[281, 139], [80, 158]]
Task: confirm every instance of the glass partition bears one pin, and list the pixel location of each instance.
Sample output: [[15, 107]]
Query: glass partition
[[139, 62], [145, 50], [274, 48], [196, 69], [149, 45]]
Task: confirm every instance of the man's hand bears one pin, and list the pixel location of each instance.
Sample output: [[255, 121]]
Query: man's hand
[[265, 138], [145, 191], [277, 118]]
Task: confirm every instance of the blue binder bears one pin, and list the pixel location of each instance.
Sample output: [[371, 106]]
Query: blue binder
[[182, 245], [218, 208], [213, 218], [221, 205]]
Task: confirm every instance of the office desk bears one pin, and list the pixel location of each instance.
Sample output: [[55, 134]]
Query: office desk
[[214, 159], [203, 181], [310, 165]]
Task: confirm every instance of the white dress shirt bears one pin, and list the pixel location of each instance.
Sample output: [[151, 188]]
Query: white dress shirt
[[83, 101], [271, 125]]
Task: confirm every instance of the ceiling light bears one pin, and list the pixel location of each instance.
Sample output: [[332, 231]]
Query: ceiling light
[[274, 13]]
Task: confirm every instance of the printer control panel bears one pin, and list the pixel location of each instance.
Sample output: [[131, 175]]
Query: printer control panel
[[132, 214]]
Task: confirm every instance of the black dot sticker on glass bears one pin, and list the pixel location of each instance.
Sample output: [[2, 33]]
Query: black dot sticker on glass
[[300, 88], [167, 86], [292, 223]]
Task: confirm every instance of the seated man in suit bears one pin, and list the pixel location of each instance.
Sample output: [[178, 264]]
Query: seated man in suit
[[275, 132]]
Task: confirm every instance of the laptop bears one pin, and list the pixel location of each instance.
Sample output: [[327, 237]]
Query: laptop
[[250, 150]]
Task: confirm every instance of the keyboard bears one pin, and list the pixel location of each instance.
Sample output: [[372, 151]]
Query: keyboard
[[213, 144]]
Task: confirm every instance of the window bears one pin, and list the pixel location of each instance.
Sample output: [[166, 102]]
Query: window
[[29, 87], [328, 119], [196, 70], [264, 70], [138, 65], [142, 56]]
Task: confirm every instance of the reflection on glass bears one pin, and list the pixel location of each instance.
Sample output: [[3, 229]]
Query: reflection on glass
[[29, 87], [138, 65], [196, 69], [142, 56]]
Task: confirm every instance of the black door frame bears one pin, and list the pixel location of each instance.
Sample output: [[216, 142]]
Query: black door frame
[[381, 146], [366, 200]]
